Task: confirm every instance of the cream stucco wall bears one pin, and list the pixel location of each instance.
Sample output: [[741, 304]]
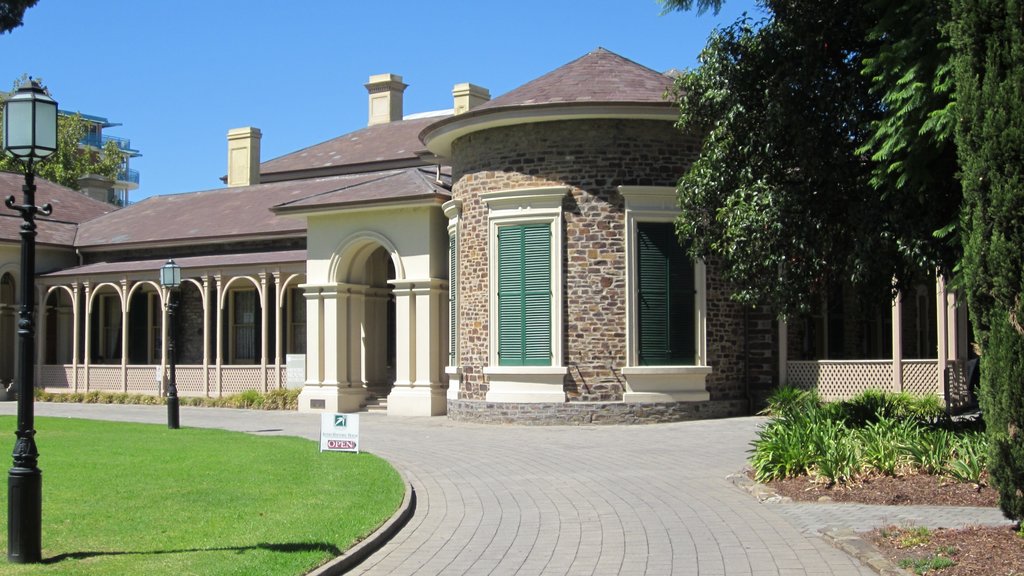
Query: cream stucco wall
[[343, 298]]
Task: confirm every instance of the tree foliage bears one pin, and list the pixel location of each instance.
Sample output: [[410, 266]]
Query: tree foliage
[[827, 153], [12, 12], [70, 162], [988, 37]]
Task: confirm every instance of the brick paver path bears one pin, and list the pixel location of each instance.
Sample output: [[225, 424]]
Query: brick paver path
[[565, 500]]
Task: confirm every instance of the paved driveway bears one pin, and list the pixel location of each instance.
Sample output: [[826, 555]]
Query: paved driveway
[[561, 500]]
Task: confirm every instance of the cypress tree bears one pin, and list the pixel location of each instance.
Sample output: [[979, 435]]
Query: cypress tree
[[988, 38]]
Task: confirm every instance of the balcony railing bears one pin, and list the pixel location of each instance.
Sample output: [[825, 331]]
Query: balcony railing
[[99, 141], [128, 175]]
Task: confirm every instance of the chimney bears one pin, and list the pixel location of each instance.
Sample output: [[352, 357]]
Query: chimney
[[96, 187], [244, 156], [468, 96], [385, 98]]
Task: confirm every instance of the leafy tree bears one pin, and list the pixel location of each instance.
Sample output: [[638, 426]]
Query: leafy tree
[[71, 161], [828, 153], [12, 12], [988, 37], [779, 193]]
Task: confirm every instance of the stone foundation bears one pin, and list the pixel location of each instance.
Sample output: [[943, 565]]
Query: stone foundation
[[581, 413]]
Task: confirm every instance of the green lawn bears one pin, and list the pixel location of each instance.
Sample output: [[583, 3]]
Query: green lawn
[[142, 499]]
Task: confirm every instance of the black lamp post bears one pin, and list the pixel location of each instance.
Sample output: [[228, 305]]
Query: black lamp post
[[30, 134], [170, 278]]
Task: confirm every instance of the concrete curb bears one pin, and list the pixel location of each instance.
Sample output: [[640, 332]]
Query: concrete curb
[[844, 539], [362, 550]]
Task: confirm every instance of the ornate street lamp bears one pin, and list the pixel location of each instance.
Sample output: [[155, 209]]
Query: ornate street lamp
[[170, 278], [30, 135]]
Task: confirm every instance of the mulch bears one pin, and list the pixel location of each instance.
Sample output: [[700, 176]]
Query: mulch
[[975, 551]]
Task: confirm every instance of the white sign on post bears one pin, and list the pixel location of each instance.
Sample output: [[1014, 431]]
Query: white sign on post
[[339, 432]]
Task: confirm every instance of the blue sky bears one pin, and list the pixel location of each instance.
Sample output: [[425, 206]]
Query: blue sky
[[178, 75]]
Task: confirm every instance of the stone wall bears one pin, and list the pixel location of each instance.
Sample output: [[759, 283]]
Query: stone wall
[[580, 413], [592, 158]]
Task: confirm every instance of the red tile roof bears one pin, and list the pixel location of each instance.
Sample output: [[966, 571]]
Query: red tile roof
[[385, 186], [187, 263], [598, 77], [69, 208], [395, 142]]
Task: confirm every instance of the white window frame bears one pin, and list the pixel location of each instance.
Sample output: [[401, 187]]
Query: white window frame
[[542, 205], [671, 383]]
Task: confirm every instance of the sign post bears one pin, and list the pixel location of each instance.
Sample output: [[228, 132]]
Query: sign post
[[339, 432]]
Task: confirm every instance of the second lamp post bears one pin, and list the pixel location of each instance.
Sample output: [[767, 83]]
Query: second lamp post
[[170, 278]]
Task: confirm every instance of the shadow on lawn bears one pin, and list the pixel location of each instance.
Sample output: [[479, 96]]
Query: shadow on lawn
[[292, 547]]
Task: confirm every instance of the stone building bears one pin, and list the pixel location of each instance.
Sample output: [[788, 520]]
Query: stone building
[[508, 260]]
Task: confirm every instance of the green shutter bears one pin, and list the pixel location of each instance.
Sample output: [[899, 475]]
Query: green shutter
[[524, 295], [665, 297]]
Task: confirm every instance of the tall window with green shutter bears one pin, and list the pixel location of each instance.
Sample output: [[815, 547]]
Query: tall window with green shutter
[[524, 295], [666, 297]]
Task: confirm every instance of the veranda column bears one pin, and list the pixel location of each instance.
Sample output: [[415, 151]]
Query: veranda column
[[75, 309], [124, 335], [942, 339], [264, 328], [897, 342], [40, 336], [206, 335], [783, 337], [280, 297], [85, 334], [220, 332]]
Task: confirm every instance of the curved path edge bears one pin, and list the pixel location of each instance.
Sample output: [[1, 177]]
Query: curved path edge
[[381, 536]]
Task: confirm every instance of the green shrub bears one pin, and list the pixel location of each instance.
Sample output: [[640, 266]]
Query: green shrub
[[1002, 403], [833, 446], [970, 457], [883, 441], [931, 450], [272, 400], [780, 451], [787, 400]]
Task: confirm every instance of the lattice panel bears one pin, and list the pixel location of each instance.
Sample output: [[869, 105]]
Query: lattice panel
[[190, 380], [107, 378], [143, 380], [56, 377], [235, 379], [921, 377], [839, 380]]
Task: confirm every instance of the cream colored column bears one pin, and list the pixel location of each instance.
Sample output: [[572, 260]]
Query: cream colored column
[[75, 308], [942, 339], [88, 327], [264, 326], [897, 343], [314, 335], [783, 352], [220, 332], [124, 335], [418, 391], [331, 394], [40, 335], [375, 341], [206, 335], [164, 299], [357, 338], [280, 297]]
